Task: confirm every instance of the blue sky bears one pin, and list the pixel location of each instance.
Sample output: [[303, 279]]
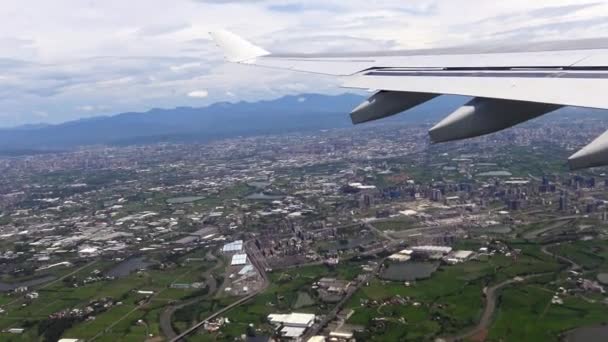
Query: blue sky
[[67, 59]]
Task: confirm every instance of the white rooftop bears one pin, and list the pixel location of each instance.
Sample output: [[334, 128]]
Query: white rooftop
[[246, 269], [441, 249], [292, 319], [462, 254], [317, 338], [292, 332], [239, 259], [235, 246]]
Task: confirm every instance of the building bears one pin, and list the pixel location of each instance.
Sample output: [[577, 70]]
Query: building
[[397, 257], [430, 252], [458, 257], [462, 255], [293, 325], [402, 256], [15, 330], [316, 339], [233, 247], [563, 202], [432, 249], [436, 195], [298, 320], [239, 260]]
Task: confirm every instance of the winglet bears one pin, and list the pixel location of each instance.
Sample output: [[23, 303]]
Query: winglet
[[236, 49]]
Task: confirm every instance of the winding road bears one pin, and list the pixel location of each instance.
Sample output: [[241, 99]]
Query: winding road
[[167, 314], [492, 294], [258, 265]]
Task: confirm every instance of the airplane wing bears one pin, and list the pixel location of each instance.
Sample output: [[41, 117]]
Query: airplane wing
[[509, 84]]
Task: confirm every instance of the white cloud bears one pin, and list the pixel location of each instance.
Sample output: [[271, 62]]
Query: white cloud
[[200, 94], [60, 54], [184, 66], [86, 108]]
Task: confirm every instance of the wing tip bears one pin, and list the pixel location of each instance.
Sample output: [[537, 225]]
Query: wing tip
[[236, 49]]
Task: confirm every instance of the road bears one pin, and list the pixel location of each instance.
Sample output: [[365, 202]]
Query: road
[[258, 265], [138, 307], [493, 292], [488, 312], [317, 327], [379, 232], [167, 314], [573, 265]]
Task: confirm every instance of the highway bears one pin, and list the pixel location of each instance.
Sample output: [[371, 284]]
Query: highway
[[167, 314], [318, 327], [258, 265]]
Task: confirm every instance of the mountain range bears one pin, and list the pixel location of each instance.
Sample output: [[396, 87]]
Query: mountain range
[[306, 112]]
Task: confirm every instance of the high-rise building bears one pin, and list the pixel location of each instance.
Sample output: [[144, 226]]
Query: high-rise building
[[563, 202], [436, 195]]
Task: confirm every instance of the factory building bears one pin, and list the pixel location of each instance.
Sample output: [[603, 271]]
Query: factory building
[[233, 247], [430, 252], [293, 325], [239, 260]]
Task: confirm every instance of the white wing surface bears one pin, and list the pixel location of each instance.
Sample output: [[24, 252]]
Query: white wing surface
[[509, 84]]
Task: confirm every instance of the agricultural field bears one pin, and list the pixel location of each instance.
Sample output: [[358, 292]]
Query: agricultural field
[[447, 303], [526, 314], [289, 290], [116, 322]]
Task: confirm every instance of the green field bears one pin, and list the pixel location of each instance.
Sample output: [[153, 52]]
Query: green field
[[450, 301], [60, 295], [284, 295], [525, 314], [590, 255]]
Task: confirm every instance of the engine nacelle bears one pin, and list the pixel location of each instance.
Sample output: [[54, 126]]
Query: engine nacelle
[[483, 116], [387, 103], [594, 154]]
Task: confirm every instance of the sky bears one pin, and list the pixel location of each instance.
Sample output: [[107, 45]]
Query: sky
[[62, 60]]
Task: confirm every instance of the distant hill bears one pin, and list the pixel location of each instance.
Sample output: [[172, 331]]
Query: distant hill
[[221, 120]]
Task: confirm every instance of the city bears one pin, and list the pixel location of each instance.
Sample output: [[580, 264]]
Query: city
[[366, 233]]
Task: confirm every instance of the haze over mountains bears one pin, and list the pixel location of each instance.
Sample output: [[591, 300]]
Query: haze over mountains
[[221, 120], [305, 112]]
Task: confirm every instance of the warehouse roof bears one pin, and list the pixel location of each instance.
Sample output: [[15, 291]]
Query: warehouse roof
[[292, 319], [239, 259], [235, 246]]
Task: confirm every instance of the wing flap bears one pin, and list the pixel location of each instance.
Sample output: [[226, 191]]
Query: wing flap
[[579, 92], [334, 67]]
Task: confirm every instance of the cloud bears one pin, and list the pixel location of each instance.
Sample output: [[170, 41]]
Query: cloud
[[41, 113], [229, 1], [199, 94], [185, 66], [86, 108], [97, 54], [159, 30]]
